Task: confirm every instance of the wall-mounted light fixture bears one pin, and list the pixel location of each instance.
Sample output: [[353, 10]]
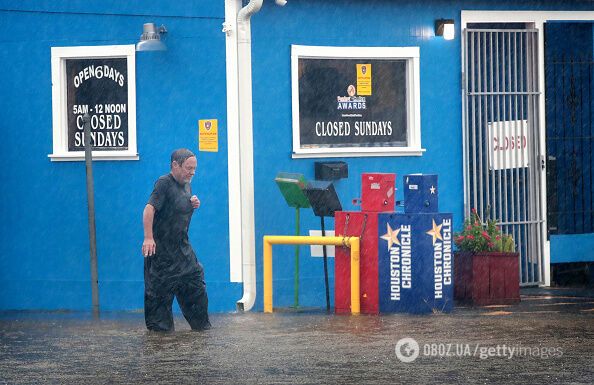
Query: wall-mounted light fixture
[[150, 40], [445, 28]]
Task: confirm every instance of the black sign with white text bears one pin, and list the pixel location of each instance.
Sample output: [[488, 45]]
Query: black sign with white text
[[352, 102], [98, 87]]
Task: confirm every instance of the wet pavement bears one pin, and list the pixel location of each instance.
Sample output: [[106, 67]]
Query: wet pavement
[[551, 335]]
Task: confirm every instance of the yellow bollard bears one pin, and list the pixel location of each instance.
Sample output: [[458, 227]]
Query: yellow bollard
[[355, 276], [267, 276], [352, 242]]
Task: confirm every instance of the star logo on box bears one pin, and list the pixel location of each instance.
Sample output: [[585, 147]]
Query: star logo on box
[[442, 255], [435, 232], [391, 236]]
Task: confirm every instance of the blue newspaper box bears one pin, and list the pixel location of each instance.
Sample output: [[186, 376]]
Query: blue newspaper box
[[420, 193], [415, 263]]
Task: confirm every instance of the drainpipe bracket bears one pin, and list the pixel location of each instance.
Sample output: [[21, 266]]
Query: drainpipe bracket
[[227, 28]]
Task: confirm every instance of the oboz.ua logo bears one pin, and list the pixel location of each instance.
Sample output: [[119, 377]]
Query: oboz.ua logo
[[407, 349]]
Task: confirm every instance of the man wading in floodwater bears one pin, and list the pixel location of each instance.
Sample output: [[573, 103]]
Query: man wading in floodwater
[[170, 265]]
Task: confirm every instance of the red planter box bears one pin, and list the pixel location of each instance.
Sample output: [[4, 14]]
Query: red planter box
[[487, 278]]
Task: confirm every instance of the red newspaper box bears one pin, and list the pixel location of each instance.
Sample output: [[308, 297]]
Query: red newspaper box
[[377, 192], [363, 224]]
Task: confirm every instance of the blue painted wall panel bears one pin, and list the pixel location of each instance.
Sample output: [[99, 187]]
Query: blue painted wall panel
[[44, 233], [385, 24], [572, 248], [44, 259], [191, 8], [355, 23]]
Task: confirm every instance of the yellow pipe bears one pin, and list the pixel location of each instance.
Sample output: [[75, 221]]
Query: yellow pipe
[[352, 242], [355, 278], [267, 276]]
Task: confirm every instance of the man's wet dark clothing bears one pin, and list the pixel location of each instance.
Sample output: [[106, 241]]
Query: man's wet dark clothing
[[174, 269]]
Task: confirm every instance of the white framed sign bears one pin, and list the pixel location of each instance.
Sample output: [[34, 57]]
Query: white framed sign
[[355, 101], [508, 144], [99, 81]]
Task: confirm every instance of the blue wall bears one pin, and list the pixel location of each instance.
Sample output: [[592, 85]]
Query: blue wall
[[333, 23], [572, 248], [354, 23], [44, 258]]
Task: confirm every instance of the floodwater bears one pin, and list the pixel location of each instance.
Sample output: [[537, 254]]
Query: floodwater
[[555, 329]]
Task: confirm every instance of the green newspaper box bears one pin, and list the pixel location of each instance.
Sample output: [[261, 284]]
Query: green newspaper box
[[291, 186]]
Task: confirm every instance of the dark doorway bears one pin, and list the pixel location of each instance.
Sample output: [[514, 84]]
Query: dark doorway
[[569, 81]]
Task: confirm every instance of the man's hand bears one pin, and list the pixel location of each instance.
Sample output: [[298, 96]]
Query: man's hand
[[195, 201], [149, 247]]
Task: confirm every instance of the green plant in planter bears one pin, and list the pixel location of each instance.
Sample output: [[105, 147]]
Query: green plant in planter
[[478, 237]]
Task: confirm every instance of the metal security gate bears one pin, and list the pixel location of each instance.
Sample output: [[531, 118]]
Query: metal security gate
[[502, 139]]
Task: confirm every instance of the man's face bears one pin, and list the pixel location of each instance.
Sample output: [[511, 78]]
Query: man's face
[[183, 173]]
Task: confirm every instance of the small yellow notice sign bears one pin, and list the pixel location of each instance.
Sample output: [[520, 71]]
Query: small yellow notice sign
[[208, 135], [364, 79]]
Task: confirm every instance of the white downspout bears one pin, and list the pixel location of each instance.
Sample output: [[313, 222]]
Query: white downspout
[[248, 246], [246, 156], [233, 163]]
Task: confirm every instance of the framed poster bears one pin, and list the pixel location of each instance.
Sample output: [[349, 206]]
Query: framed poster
[[99, 81], [355, 101]]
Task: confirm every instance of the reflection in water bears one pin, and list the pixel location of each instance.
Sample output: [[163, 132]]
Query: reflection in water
[[289, 347]]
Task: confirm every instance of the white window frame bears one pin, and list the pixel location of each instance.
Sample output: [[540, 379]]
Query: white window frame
[[59, 113], [413, 136]]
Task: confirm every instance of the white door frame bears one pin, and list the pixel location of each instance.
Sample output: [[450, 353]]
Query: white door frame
[[537, 18]]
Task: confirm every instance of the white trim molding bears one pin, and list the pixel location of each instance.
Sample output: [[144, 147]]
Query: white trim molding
[[59, 100]]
